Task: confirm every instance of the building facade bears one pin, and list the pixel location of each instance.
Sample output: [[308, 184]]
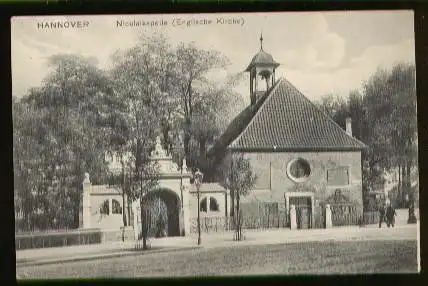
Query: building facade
[[174, 201], [301, 157]]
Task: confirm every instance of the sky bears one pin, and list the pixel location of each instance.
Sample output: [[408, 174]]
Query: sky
[[319, 52]]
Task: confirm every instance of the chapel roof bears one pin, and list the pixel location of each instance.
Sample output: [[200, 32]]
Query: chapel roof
[[262, 58], [283, 119]]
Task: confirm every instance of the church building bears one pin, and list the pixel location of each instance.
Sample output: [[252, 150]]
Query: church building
[[301, 157]]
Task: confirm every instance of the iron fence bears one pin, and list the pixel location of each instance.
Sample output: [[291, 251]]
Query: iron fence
[[219, 224]]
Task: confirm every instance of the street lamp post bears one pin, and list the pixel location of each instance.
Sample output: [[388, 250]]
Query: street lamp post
[[198, 180]]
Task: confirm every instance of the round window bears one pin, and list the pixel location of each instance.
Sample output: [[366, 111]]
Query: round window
[[298, 170]]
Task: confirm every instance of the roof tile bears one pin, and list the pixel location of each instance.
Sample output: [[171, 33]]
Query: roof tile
[[286, 120]]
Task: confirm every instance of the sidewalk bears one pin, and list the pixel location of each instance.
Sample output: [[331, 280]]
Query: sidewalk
[[280, 236], [225, 239], [85, 252]]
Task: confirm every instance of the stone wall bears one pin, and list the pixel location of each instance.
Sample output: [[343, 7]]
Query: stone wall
[[274, 183], [104, 221], [220, 197]]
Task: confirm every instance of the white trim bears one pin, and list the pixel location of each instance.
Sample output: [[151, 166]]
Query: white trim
[[298, 180], [311, 195]]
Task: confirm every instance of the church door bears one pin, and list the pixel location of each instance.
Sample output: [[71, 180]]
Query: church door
[[303, 211]]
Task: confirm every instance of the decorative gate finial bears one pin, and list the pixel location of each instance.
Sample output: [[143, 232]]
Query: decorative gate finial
[[87, 179], [159, 151]]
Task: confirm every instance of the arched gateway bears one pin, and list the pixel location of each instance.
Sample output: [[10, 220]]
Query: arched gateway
[[163, 213], [167, 204]]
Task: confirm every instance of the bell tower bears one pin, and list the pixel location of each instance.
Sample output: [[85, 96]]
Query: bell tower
[[262, 68]]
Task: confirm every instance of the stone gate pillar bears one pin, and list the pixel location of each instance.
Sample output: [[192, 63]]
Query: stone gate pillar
[[185, 210], [293, 217], [328, 221], [86, 202]]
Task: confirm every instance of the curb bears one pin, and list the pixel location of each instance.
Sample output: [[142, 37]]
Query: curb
[[99, 256]]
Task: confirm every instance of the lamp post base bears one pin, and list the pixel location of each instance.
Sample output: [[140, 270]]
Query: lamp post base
[[199, 240]]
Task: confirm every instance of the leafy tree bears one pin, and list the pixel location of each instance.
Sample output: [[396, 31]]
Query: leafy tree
[[66, 137], [138, 76], [213, 111], [386, 97], [192, 68], [334, 106], [238, 177]]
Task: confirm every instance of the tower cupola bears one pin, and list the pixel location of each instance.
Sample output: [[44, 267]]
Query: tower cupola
[[262, 67]]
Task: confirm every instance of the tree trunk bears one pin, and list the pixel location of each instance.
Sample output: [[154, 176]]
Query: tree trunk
[[238, 211], [143, 224], [232, 203], [403, 179], [409, 181], [399, 187], [186, 139], [202, 152], [123, 197], [232, 191], [128, 204]]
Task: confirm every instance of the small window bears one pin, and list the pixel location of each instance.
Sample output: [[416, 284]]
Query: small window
[[116, 208], [213, 205], [298, 170], [104, 209], [203, 205]]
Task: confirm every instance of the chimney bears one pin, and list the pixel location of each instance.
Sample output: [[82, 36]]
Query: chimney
[[349, 126]]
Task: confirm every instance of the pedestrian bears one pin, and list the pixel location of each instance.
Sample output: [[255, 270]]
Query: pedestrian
[[390, 215], [381, 214]]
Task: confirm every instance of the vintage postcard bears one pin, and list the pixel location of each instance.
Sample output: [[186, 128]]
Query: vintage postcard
[[215, 144]]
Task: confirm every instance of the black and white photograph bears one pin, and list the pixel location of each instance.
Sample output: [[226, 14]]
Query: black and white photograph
[[215, 144]]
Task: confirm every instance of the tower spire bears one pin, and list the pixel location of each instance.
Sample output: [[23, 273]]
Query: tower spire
[[261, 40]]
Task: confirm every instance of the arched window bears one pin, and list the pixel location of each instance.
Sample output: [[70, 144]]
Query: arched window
[[213, 204], [104, 209], [116, 208], [203, 205]]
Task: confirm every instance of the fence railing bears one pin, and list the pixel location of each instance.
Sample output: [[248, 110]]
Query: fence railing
[[219, 224], [371, 217]]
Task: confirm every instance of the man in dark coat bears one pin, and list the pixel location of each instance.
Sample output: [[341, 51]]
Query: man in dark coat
[[390, 215], [381, 214]]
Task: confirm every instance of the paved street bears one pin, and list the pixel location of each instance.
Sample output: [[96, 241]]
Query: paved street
[[252, 237], [328, 257], [338, 250]]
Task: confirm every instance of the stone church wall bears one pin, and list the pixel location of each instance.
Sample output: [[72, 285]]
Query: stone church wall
[[273, 181]]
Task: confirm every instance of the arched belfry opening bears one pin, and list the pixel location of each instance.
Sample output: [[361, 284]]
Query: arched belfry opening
[[262, 73]]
